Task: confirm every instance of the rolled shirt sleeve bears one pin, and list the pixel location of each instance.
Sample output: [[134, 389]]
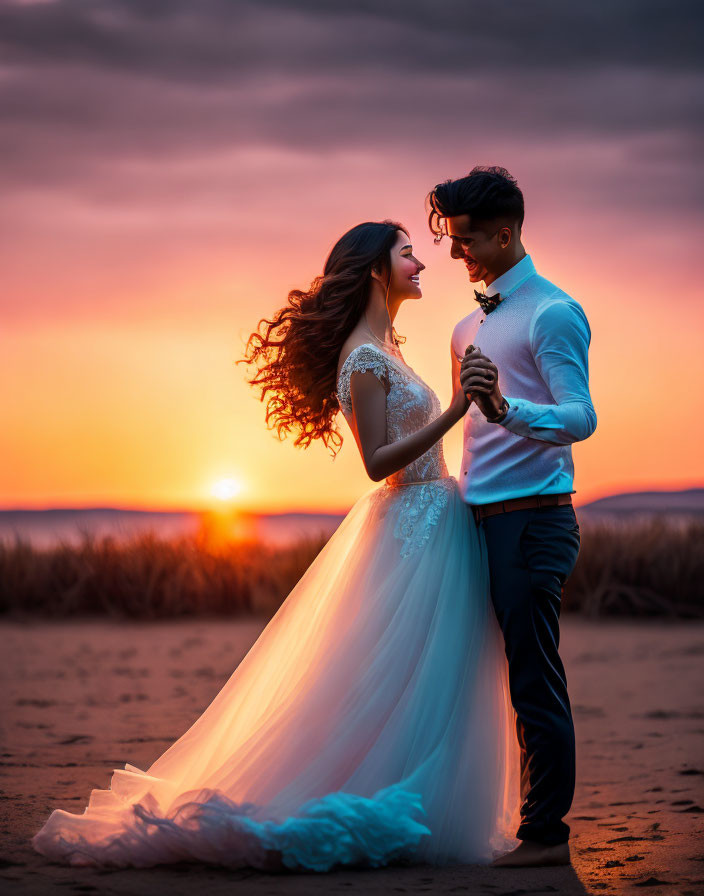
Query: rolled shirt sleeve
[[559, 339]]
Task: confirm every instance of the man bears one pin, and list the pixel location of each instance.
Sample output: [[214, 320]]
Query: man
[[521, 357]]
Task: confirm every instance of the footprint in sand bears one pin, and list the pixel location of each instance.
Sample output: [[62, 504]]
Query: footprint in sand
[[596, 849], [40, 704], [192, 642], [591, 712], [205, 672]]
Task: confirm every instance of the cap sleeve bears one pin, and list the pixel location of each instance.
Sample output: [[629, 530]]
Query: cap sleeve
[[364, 358]]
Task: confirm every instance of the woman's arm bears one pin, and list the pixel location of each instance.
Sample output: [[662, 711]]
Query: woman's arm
[[369, 411]]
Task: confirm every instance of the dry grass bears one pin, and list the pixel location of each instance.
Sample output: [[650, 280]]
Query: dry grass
[[150, 578], [649, 568]]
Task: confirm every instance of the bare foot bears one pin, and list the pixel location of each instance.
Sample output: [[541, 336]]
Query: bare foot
[[530, 853]]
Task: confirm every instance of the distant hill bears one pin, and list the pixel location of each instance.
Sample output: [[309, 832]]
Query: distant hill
[[689, 502]]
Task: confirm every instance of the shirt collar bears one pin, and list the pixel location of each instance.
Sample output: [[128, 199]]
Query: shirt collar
[[511, 279]]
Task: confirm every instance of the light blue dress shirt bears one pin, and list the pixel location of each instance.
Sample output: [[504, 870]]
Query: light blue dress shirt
[[538, 337]]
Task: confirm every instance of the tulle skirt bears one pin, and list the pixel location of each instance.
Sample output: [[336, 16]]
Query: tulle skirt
[[369, 723]]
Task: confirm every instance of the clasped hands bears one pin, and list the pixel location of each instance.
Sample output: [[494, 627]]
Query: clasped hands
[[479, 378]]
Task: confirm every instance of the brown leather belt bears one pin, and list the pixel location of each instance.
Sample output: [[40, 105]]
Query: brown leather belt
[[480, 511]]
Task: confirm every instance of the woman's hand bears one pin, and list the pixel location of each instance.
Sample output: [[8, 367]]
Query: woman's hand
[[459, 404]]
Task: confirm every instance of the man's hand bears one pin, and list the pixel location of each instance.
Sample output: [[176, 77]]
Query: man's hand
[[480, 380]]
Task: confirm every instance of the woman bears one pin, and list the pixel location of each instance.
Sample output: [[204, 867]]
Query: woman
[[370, 722]]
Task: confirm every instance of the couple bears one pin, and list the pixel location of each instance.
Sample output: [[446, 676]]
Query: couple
[[410, 686]]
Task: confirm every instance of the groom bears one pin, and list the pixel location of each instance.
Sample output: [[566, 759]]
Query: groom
[[521, 356]]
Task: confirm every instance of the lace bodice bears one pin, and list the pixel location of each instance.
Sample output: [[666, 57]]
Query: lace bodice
[[410, 405]]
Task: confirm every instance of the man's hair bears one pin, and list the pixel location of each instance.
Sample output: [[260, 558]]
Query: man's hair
[[485, 194]]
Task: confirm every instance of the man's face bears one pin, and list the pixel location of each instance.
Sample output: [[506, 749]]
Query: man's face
[[478, 246]]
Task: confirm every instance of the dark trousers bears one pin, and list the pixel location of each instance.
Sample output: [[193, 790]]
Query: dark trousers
[[531, 553]]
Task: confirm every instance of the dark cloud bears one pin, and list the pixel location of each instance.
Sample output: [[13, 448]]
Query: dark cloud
[[224, 39], [87, 84]]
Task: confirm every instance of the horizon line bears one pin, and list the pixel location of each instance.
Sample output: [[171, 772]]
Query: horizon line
[[248, 510]]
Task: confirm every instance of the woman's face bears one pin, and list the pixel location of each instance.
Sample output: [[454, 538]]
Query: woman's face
[[405, 270]]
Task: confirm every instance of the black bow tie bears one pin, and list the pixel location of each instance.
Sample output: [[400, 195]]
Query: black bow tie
[[488, 303]]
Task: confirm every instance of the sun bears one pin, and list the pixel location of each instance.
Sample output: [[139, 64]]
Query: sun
[[226, 489]]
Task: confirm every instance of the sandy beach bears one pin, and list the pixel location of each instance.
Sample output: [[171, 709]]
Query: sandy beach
[[80, 699]]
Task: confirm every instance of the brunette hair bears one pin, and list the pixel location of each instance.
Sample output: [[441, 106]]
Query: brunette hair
[[486, 193], [298, 349]]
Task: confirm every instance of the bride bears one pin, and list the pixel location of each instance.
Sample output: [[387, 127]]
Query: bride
[[370, 722]]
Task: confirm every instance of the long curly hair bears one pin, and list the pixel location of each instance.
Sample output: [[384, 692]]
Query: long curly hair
[[297, 350]]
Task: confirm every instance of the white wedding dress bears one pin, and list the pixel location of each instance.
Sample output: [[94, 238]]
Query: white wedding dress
[[369, 723]]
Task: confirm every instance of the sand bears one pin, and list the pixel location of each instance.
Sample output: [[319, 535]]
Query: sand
[[82, 698]]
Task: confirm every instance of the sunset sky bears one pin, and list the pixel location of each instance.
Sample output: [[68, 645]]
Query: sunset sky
[[171, 169]]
